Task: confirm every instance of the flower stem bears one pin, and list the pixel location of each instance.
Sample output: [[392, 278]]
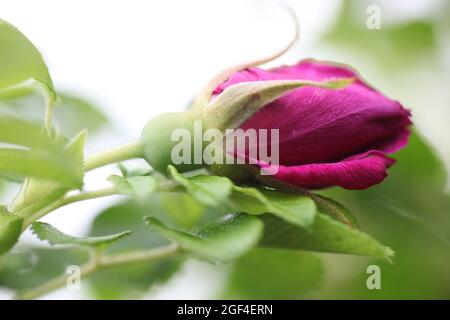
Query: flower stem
[[68, 200], [139, 256], [98, 262], [113, 155]]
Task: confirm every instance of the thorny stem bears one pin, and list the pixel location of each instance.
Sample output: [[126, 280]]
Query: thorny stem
[[98, 262]]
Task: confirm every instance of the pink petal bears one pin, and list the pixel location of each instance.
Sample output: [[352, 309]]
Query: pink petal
[[321, 126], [358, 172]]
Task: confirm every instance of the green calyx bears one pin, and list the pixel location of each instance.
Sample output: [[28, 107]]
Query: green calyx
[[160, 136]]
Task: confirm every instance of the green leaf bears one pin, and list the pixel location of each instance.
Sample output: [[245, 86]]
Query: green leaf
[[137, 187], [22, 133], [209, 190], [223, 240], [409, 211], [40, 164], [74, 114], [36, 193], [325, 235], [33, 190], [64, 168], [240, 101], [45, 231], [75, 149], [413, 191], [184, 210], [140, 171], [220, 191], [42, 200], [133, 280], [294, 208], [39, 189], [22, 270], [10, 230], [335, 209], [22, 66], [19, 59], [127, 215], [273, 274]]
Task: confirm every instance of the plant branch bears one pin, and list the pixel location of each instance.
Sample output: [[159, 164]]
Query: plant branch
[[116, 154], [139, 256], [68, 200], [98, 262]]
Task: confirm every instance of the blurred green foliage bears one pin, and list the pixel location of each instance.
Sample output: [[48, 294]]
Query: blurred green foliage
[[129, 281], [72, 113], [26, 269], [393, 47], [411, 213], [19, 59], [273, 274]]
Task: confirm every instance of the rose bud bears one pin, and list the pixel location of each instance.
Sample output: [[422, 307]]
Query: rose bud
[[334, 129], [327, 137], [174, 136]]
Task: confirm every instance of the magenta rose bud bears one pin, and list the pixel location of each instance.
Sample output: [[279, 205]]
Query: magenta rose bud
[[329, 137]]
